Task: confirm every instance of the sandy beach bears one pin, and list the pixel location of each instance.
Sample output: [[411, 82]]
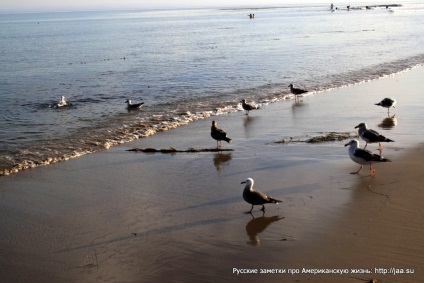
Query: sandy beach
[[119, 216]]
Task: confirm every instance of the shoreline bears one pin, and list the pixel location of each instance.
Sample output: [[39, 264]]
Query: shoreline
[[133, 132], [151, 217]]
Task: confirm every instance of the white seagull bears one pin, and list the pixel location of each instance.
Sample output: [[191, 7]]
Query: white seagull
[[255, 197], [363, 156], [371, 136], [62, 102]]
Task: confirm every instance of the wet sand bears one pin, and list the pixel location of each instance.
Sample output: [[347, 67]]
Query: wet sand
[[119, 216]]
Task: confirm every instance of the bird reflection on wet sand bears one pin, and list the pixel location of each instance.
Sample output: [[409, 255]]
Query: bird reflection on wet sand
[[257, 225], [248, 120], [388, 123], [221, 159], [298, 107]]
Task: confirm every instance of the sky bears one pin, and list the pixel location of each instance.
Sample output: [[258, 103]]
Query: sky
[[84, 5]]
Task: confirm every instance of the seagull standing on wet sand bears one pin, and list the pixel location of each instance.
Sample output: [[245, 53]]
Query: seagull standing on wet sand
[[255, 197], [130, 105], [387, 103], [219, 135], [247, 106], [371, 136], [363, 156], [296, 91]]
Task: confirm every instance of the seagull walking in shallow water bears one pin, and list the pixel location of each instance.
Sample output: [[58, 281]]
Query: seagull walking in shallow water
[[218, 135], [363, 156], [387, 103], [248, 106], [371, 136], [296, 91], [130, 105], [255, 197]]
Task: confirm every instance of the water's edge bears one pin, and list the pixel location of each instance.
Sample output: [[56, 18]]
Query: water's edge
[[112, 133]]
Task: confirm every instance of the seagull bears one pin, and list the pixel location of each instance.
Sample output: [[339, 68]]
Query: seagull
[[387, 103], [62, 102], [219, 135], [363, 156], [133, 106], [371, 136], [247, 106], [296, 91], [255, 197]]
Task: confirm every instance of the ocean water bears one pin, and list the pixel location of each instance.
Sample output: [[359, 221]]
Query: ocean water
[[184, 64]]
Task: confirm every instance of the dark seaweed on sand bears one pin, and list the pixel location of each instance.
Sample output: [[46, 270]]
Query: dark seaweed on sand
[[324, 137], [173, 150]]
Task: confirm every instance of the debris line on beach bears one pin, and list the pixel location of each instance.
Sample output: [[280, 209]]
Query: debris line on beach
[[173, 150], [324, 137]]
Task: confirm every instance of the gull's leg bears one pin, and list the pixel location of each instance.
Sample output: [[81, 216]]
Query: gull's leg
[[247, 212], [372, 170], [358, 170]]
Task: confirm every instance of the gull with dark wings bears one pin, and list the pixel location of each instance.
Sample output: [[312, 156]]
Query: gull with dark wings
[[218, 135], [387, 103], [371, 136], [132, 106], [248, 106], [363, 156], [296, 91], [255, 197]]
